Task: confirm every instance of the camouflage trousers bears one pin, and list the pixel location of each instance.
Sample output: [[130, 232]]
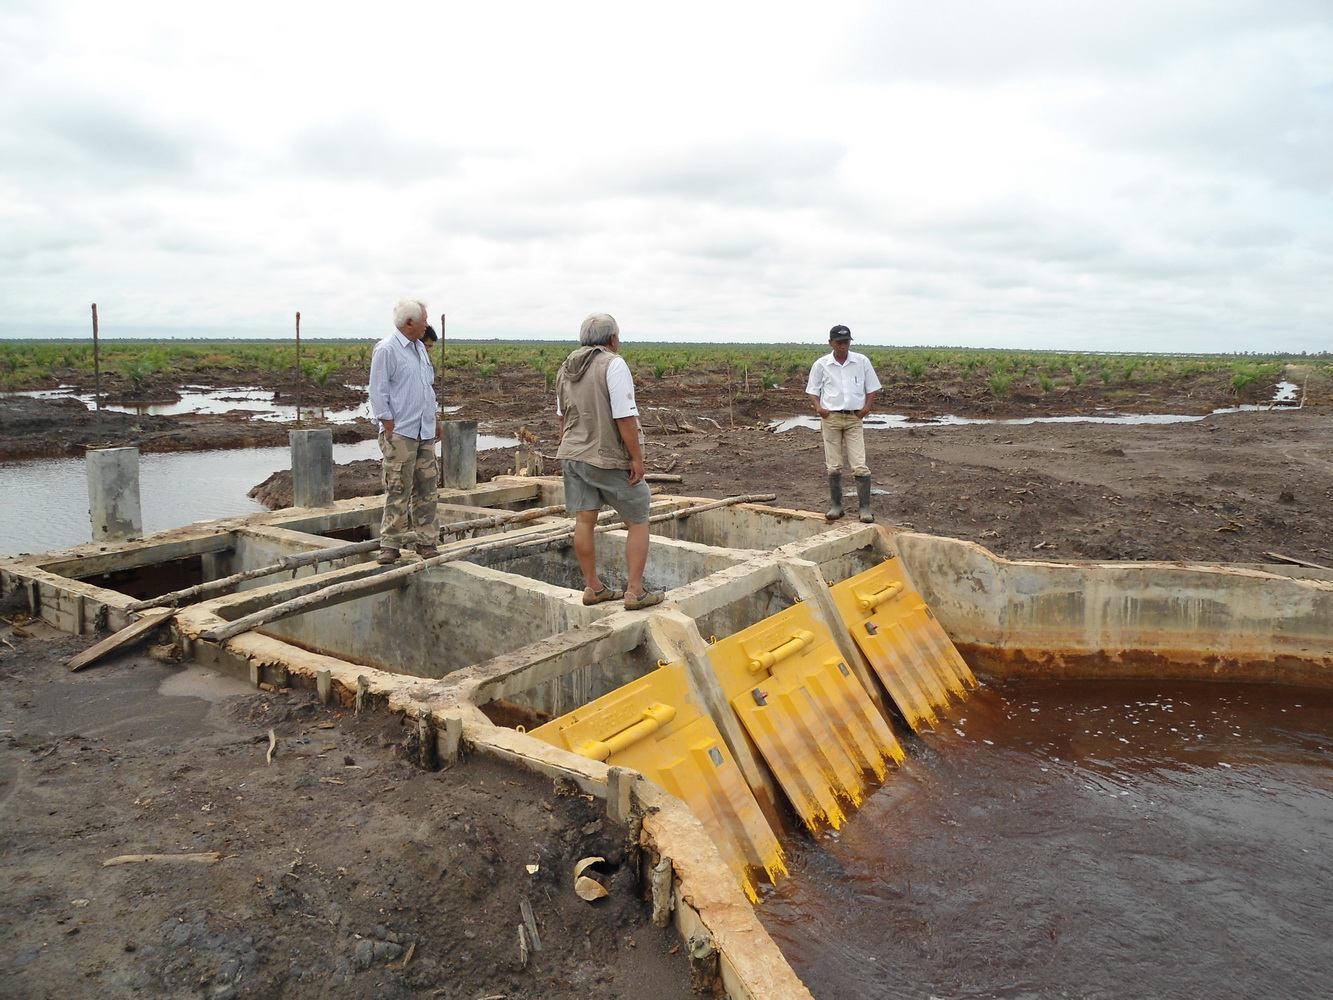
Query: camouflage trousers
[[410, 476]]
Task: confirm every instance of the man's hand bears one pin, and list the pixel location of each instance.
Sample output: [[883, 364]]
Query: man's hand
[[635, 471], [388, 427], [822, 412], [439, 428]]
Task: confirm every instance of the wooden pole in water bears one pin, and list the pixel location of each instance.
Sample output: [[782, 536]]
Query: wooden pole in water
[[298, 366], [97, 366]]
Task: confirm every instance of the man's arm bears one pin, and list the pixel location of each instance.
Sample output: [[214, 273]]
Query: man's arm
[[629, 433], [870, 399], [379, 389], [813, 387]]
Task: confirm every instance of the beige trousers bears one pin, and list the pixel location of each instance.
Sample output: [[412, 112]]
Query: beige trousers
[[411, 475], [844, 430]]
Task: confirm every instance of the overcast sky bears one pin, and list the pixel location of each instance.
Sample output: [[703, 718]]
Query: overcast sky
[[1142, 175]]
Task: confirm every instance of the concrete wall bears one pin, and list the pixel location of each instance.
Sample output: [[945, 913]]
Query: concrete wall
[[1124, 620]]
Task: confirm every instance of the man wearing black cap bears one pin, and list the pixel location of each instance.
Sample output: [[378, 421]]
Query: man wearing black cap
[[842, 388]]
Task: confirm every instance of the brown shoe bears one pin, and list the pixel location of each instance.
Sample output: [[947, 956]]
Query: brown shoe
[[591, 597], [427, 551], [645, 600], [387, 556]]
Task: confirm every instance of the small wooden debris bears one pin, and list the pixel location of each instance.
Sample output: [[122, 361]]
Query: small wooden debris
[[1296, 562], [205, 858], [272, 745], [124, 637], [530, 922]]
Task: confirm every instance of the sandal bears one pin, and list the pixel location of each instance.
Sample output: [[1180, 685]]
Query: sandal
[[591, 597], [645, 600]]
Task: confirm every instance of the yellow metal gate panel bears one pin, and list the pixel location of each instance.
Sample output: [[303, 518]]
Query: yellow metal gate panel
[[654, 726], [806, 712], [905, 644]]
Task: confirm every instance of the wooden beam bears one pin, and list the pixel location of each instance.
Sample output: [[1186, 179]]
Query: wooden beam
[[124, 637]]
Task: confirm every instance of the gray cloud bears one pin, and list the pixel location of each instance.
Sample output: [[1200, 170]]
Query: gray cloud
[[86, 142], [965, 42], [748, 171], [364, 148]]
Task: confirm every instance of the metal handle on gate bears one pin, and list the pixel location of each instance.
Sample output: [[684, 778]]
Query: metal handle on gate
[[654, 718], [798, 641], [869, 602]]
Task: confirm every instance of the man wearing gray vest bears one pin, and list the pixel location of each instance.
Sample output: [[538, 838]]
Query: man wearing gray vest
[[601, 454]]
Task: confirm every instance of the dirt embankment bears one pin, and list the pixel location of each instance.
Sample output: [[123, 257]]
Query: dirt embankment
[[337, 869]]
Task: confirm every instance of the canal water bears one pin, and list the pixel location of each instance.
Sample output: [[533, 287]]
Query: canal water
[[44, 502], [1096, 840]]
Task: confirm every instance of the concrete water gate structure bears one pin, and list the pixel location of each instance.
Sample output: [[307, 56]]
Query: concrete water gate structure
[[502, 632]]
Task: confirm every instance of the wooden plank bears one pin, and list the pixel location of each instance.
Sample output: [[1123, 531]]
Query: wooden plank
[[1296, 562], [124, 637]]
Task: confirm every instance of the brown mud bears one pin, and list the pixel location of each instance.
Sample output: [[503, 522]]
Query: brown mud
[[346, 872], [343, 870]]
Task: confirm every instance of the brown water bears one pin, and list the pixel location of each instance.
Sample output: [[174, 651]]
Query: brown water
[[1083, 839]]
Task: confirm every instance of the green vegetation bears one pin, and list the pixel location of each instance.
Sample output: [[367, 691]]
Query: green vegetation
[[737, 369]]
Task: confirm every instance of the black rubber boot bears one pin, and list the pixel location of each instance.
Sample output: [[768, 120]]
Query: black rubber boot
[[863, 495], [835, 491]]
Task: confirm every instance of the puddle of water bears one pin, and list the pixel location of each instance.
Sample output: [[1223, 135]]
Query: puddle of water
[[1126, 840], [193, 681], [1285, 394], [208, 399], [44, 502]]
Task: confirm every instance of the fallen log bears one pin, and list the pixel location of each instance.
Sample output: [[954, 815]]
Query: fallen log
[[316, 556]]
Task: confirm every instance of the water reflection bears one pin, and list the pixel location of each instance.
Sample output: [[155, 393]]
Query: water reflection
[[1127, 840], [255, 401], [1285, 395], [44, 502]]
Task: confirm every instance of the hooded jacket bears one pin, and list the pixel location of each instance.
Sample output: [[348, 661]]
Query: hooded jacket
[[591, 434]]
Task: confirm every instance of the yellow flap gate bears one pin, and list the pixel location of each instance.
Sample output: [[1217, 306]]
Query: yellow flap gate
[[654, 726], [805, 710], [905, 644]]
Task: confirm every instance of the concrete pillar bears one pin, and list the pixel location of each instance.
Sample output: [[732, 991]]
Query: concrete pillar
[[113, 494], [312, 467], [458, 454]]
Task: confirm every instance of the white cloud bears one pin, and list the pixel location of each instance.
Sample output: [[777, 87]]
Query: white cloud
[[1029, 174]]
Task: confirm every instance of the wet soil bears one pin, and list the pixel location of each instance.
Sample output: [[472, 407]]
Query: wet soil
[[1229, 487], [343, 870], [346, 872]]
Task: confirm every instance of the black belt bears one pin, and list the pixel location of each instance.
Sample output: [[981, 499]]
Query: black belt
[[850, 413]]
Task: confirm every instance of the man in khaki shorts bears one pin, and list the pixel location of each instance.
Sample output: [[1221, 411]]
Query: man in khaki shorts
[[601, 453], [402, 399], [842, 388]]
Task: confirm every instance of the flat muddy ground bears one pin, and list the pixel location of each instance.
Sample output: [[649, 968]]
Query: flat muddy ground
[[343, 871]]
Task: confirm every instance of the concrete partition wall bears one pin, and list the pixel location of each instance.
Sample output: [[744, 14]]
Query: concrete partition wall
[[438, 621], [744, 526], [1124, 620]]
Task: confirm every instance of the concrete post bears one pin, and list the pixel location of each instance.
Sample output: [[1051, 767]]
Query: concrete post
[[113, 494], [458, 454], [312, 467]]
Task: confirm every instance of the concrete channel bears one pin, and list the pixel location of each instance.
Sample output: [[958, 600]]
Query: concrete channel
[[493, 639]]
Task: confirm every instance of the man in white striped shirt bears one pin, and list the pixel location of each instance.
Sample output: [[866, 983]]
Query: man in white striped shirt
[[842, 388], [402, 399]]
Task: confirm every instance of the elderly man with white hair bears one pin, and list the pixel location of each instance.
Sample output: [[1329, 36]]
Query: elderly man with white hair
[[402, 399]]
